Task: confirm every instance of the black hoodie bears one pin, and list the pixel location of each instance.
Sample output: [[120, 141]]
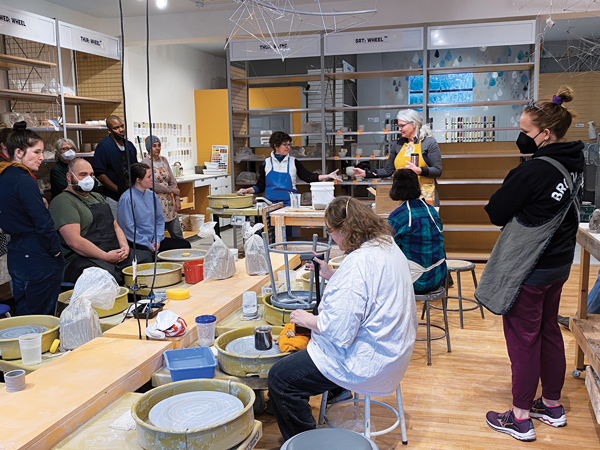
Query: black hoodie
[[535, 191]]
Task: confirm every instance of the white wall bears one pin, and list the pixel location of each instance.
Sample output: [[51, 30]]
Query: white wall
[[53, 11], [175, 72]]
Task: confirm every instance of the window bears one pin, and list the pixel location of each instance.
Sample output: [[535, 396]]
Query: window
[[448, 88]]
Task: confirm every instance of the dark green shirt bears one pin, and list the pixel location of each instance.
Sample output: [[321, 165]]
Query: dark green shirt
[[58, 178]]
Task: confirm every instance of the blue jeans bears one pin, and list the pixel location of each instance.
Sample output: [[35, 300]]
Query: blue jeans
[[292, 381], [593, 301]]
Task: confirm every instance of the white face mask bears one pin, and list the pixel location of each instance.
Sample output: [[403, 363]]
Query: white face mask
[[69, 155], [87, 184]]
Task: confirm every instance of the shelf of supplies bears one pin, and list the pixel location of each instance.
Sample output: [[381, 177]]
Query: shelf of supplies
[[374, 74], [481, 69], [70, 127], [11, 94], [302, 158], [77, 100], [470, 181], [474, 104], [370, 108], [262, 112], [449, 130], [14, 62], [252, 159], [470, 227]]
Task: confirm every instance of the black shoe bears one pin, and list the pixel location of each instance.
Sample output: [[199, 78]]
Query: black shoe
[[450, 280], [564, 321], [338, 395]]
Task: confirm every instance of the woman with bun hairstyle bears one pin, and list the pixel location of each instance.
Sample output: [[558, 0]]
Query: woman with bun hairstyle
[[539, 197], [35, 260]]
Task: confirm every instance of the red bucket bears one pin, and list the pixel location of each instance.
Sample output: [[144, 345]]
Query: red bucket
[[193, 271]]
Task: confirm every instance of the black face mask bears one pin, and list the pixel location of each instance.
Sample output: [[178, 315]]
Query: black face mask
[[527, 143]]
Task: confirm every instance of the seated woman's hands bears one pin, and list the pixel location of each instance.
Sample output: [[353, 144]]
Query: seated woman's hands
[[304, 319]]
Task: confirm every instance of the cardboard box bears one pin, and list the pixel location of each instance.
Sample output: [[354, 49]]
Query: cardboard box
[[383, 203]]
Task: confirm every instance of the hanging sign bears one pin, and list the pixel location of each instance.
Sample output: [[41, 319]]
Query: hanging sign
[[372, 39], [381, 41], [88, 41], [24, 25]]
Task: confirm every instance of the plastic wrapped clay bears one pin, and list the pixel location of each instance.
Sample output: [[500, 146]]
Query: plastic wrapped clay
[[595, 221]]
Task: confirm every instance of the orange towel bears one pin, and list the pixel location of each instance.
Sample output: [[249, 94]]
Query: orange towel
[[291, 344]]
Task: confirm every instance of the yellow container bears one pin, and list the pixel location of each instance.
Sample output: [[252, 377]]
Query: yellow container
[[231, 201], [119, 306], [277, 316], [242, 365], [170, 277], [10, 347], [221, 436]]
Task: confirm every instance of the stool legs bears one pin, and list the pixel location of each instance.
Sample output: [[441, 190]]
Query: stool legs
[[401, 414], [460, 308], [445, 311], [367, 417], [427, 313], [475, 283]]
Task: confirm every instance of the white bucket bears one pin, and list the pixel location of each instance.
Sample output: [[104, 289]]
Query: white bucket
[[184, 219], [196, 221], [322, 192]]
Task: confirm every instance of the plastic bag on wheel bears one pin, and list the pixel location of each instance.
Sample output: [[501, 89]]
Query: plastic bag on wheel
[[254, 249], [79, 322], [219, 263]]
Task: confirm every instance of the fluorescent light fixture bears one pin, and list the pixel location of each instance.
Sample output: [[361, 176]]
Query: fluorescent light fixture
[[161, 3]]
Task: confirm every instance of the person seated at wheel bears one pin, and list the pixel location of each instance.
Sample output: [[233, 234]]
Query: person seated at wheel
[[363, 337], [418, 232], [415, 138], [278, 174], [89, 235], [140, 216]]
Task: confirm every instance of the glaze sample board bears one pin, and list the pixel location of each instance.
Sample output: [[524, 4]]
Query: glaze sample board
[[70, 390], [217, 297]]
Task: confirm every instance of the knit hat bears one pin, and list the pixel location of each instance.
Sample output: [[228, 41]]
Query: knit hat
[[151, 140]]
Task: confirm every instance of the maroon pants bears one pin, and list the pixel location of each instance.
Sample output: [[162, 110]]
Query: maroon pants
[[535, 344]]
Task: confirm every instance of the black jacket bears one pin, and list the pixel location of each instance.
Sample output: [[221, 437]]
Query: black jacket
[[535, 191]]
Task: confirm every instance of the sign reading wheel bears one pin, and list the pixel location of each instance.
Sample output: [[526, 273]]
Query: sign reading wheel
[[372, 39]]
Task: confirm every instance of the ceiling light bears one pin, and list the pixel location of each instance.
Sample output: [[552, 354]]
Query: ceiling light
[[161, 3]]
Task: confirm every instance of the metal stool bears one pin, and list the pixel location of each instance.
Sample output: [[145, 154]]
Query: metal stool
[[438, 294], [399, 413], [458, 266], [329, 439], [4, 310]]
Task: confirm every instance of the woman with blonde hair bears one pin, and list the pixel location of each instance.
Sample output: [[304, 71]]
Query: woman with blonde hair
[[415, 138], [537, 206], [363, 337]]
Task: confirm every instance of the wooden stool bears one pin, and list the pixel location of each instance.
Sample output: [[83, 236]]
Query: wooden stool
[[399, 413], [458, 266], [329, 439], [438, 294]]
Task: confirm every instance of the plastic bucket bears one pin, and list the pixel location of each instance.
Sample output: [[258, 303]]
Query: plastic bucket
[[196, 221], [322, 192], [205, 327], [184, 220], [193, 271], [31, 348]]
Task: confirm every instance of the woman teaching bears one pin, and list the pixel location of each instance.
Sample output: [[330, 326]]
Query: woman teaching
[[279, 173], [418, 139], [523, 279], [165, 187], [35, 260], [363, 337]]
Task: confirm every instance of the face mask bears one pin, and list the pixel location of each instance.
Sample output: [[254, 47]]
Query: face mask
[[87, 184], [527, 143], [69, 155]]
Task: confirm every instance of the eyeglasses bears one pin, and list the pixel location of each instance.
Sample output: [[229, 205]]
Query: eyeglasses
[[66, 149], [403, 125], [286, 144]]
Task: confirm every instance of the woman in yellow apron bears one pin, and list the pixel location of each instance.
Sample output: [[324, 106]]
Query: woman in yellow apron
[[415, 138]]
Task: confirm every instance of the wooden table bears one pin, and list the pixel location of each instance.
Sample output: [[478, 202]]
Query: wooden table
[[304, 217], [70, 390], [217, 297], [586, 328]]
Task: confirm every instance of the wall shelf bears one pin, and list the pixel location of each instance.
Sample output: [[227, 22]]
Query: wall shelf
[[15, 62], [43, 97], [481, 69], [263, 112], [474, 104]]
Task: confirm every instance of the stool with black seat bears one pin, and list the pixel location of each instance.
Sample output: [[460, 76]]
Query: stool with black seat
[[399, 413], [4, 310], [457, 266], [329, 439], [427, 298]]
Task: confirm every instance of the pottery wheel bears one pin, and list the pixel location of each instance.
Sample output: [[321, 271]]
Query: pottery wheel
[[15, 332], [193, 410], [245, 346], [151, 271], [191, 255]]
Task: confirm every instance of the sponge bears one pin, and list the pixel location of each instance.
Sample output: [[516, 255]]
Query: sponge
[[178, 294]]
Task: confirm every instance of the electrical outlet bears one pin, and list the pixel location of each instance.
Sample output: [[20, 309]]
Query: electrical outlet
[[376, 119], [579, 125], [370, 119], [388, 115]]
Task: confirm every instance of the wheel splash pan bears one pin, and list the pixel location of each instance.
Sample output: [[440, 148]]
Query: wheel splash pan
[[220, 436], [279, 316], [243, 365]]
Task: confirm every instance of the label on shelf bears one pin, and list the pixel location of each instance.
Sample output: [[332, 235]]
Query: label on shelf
[[372, 156], [28, 26], [354, 181], [375, 181], [88, 41], [336, 157]]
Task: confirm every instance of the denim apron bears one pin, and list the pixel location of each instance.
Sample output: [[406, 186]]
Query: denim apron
[[278, 185], [518, 250]]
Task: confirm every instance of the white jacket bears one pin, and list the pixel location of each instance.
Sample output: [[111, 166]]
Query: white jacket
[[367, 321]]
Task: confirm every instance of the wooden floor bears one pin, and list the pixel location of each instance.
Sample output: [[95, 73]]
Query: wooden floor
[[445, 404]]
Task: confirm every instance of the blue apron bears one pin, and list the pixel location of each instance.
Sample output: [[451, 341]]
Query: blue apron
[[279, 185]]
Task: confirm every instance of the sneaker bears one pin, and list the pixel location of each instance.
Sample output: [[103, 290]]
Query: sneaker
[[506, 423], [550, 415], [338, 395]]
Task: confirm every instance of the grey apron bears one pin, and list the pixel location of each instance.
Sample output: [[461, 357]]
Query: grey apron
[[518, 250]]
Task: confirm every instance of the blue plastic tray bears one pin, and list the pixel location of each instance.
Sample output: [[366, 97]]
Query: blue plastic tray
[[191, 363]]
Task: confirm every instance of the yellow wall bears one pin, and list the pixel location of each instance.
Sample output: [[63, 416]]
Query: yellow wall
[[278, 97], [212, 121]]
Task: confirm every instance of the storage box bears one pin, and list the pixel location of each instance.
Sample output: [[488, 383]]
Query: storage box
[[190, 363], [383, 203]]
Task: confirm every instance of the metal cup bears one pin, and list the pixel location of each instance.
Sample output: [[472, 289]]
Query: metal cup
[[263, 339], [414, 159]]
